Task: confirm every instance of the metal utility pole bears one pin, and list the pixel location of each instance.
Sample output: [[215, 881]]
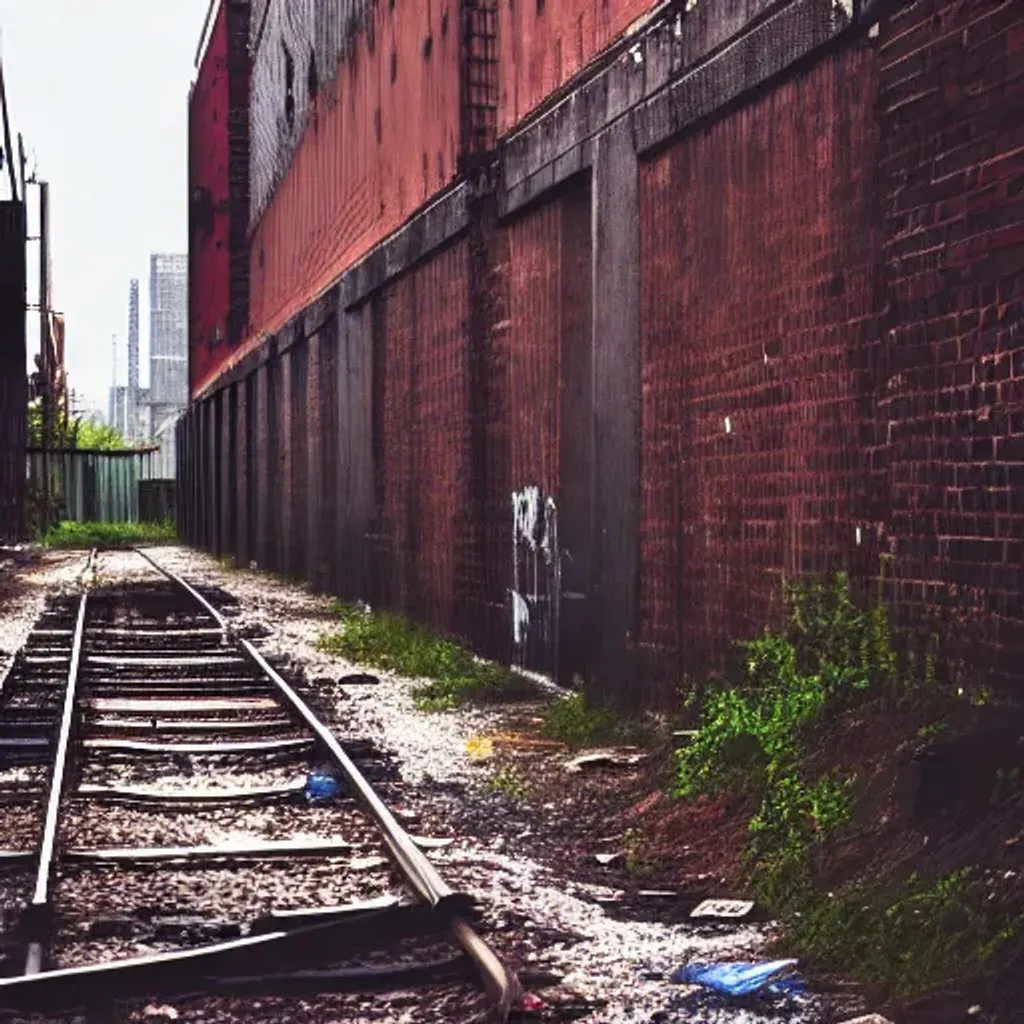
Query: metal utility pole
[[44, 340]]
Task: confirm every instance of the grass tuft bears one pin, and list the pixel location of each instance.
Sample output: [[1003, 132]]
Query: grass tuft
[[70, 535], [576, 722], [448, 674]]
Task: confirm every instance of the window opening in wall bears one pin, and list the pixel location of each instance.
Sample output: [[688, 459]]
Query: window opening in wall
[[289, 87]]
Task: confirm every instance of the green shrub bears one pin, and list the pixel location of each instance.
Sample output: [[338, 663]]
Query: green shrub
[[829, 654]]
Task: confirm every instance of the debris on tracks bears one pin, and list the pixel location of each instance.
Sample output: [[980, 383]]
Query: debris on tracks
[[605, 759], [725, 909], [776, 977]]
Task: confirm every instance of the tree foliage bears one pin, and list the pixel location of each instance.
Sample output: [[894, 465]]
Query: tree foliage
[[72, 432]]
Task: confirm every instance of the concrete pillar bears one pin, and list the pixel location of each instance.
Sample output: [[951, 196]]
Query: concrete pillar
[[616, 368], [355, 481], [316, 423], [284, 452], [261, 492], [226, 526], [241, 524]]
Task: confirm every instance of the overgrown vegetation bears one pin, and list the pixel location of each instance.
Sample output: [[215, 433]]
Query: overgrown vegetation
[[757, 738], [108, 535], [72, 432], [448, 673], [829, 654], [575, 721], [914, 938]]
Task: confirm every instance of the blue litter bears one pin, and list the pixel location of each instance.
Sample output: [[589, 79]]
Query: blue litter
[[742, 979], [321, 786]]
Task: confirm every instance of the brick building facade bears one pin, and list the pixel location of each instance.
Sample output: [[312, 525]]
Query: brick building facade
[[729, 290]]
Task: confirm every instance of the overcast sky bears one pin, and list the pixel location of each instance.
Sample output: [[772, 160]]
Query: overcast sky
[[99, 89]]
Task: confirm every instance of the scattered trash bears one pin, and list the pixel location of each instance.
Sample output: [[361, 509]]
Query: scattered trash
[[365, 863], [609, 858], [480, 748], [532, 1003], [427, 843], [871, 1018], [657, 894], [723, 908], [742, 979], [358, 679], [154, 1012], [973, 1011], [611, 758], [321, 786]]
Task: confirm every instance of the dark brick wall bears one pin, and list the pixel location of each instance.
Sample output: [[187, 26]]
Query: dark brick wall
[[423, 455], [831, 325], [951, 125], [757, 288]]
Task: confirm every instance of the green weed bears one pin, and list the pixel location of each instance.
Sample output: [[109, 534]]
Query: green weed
[[448, 673], [578, 723], [510, 782], [108, 535], [753, 738], [637, 862], [910, 941]]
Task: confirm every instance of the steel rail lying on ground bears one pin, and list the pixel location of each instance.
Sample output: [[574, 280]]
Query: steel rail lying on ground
[[501, 983], [39, 910]]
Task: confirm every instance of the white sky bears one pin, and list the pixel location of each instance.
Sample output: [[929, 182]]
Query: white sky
[[99, 89]]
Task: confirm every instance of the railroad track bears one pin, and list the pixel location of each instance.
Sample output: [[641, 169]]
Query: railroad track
[[123, 690]]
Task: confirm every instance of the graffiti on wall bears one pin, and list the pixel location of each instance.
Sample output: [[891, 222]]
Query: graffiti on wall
[[537, 579]]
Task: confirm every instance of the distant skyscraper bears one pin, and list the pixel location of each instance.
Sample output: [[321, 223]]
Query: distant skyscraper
[[168, 345], [133, 409]]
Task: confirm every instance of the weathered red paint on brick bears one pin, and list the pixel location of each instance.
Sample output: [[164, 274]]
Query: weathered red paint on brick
[[756, 275], [347, 187], [218, 165], [534, 345], [543, 43], [951, 103]]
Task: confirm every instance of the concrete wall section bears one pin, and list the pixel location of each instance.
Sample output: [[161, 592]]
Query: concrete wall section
[[616, 374]]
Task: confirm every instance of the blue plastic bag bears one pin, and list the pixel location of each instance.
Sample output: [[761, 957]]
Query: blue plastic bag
[[742, 979], [321, 786]]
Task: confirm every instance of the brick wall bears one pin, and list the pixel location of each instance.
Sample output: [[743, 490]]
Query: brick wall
[[951, 124], [831, 301], [379, 138], [218, 190], [423, 454], [543, 43], [757, 286]]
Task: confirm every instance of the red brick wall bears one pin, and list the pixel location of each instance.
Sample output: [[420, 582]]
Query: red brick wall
[[543, 43], [376, 147], [423, 469], [218, 164], [951, 78], [534, 346], [757, 287]]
